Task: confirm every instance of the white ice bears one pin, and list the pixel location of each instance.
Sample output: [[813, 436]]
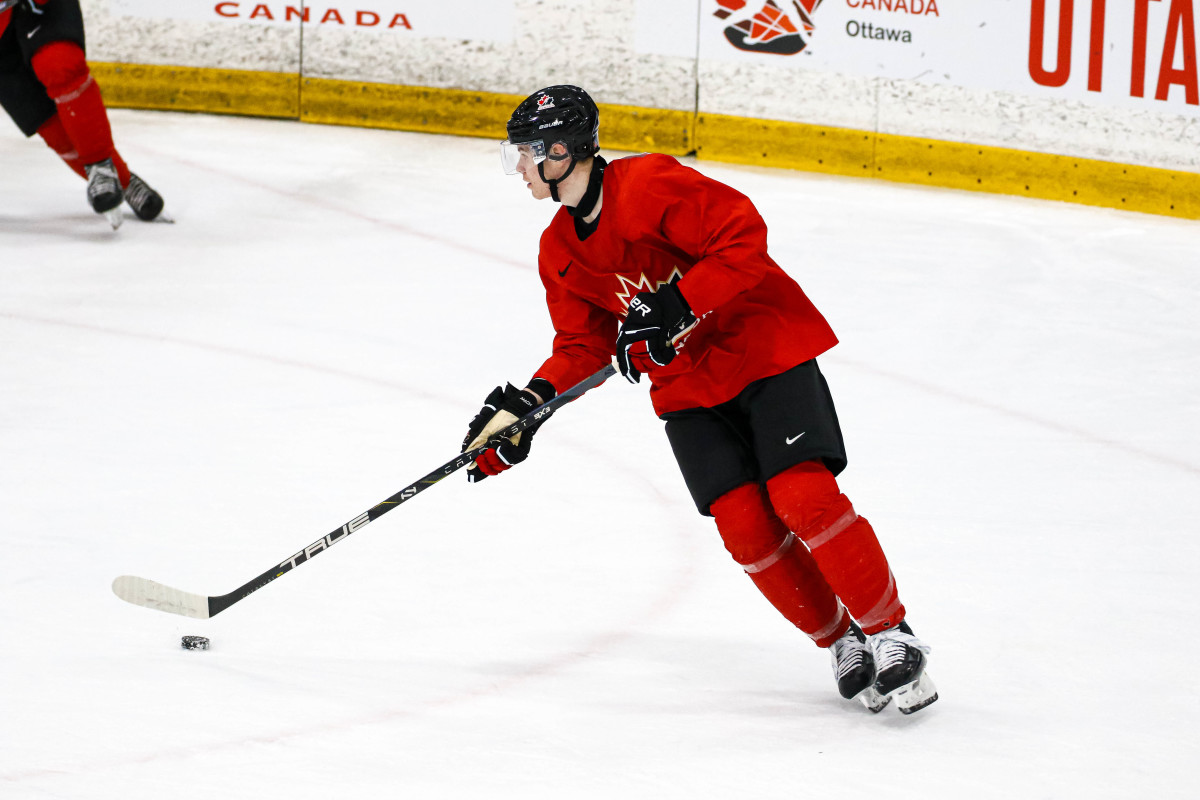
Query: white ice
[[193, 403]]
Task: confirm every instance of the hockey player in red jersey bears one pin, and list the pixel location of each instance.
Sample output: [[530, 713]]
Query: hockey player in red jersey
[[667, 269], [47, 89]]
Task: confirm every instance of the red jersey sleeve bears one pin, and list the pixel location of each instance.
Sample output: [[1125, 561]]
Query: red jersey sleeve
[[714, 221]]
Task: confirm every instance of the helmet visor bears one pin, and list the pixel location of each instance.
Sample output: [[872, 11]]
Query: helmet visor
[[513, 154]]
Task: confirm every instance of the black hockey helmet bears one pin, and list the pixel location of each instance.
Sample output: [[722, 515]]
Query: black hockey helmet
[[557, 114]]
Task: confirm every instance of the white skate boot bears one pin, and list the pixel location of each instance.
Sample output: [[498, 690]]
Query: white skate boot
[[104, 190], [854, 669], [900, 668]]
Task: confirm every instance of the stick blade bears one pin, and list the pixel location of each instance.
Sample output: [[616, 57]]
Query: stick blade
[[150, 594]]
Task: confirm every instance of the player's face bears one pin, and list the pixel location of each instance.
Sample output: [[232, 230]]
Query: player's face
[[527, 168]]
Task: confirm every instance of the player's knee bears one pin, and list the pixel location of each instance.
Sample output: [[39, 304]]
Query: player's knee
[[61, 68], [806, 497], [747, 524]]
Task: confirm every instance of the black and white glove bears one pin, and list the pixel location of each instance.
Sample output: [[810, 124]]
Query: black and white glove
[[655, 323], [34, 5], [504, 406]]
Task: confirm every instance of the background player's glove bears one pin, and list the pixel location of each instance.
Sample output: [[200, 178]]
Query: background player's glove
[[655, 323], [502, 408], [34, 5]]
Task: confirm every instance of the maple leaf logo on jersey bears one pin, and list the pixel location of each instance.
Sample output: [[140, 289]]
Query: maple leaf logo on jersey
[[629, 287], [771, 29]]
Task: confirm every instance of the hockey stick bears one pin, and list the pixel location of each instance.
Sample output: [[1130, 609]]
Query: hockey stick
[[148, 593]]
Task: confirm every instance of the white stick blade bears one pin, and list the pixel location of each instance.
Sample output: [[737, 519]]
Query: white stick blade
[[147, 593]]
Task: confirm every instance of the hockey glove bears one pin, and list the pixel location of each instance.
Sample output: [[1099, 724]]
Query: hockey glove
[[33, 5], [502, 408], [655, 323]]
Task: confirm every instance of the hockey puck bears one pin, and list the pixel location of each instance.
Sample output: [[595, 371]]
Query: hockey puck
[[194, 643]]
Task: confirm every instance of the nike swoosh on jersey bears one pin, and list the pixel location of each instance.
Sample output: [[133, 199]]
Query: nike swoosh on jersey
[[562, 273], [794, 439]]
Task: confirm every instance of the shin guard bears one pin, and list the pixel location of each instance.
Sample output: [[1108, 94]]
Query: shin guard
[[61, 68], [781, 567], [843, 544], [55, 136]]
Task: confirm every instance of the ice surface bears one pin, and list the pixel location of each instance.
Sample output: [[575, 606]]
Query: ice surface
[[191, 403]]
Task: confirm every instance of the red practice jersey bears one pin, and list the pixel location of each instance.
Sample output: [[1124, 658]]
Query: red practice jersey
[[661, 221]]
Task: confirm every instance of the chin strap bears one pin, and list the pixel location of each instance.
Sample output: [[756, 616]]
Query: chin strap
[[553, 182]]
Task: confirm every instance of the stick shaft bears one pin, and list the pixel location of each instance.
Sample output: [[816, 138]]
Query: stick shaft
[[164, 598]]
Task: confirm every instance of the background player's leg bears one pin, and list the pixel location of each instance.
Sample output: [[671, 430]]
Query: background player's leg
[[61, 68], [55, 136], [82, 117]]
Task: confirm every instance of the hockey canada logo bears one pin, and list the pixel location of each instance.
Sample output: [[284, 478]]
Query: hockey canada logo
[[629, 287], [783, 28], [544, 102]]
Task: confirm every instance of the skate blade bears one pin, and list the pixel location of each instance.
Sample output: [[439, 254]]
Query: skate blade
[[873, 700], [912, 697], [113, 215]]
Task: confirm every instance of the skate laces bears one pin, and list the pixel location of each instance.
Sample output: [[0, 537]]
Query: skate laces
[[138, 192], [890, 647], [102, 178], [848, 654], [102, 170]]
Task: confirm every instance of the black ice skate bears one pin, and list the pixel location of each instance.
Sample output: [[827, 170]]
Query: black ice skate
[[144, 201], [104, 190], [900, 668], [854, 669]]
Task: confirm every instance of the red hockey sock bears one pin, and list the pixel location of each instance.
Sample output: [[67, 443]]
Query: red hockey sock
[[55, 135], [122, 169], [61, 68], [844, 544], [779, 565]]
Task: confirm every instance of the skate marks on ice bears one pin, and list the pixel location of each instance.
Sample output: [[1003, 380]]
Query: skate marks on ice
[[481, 653], [1045, 423]]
